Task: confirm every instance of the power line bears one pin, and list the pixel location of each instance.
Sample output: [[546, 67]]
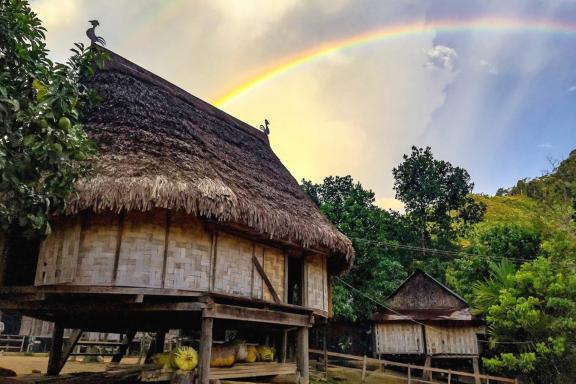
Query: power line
[[392, 244]]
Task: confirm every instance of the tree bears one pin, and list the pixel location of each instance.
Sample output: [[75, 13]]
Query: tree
[[436, 196], [378, 269], [490, 242], [531, 321], [43, 146]]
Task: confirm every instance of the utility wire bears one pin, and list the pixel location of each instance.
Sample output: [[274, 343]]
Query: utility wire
[[392, 244]]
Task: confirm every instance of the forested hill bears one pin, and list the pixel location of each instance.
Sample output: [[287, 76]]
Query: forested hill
[[556, 187], [547, 203]]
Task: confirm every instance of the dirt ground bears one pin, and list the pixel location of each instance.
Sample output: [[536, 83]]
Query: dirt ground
[[24, 365]]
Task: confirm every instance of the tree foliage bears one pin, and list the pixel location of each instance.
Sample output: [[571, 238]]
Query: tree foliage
[[43, 147], [535, 312], [377, 270], [436, 196]]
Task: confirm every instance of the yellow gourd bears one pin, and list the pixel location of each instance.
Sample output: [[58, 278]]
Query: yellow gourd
[[251, 354], [265, 353], [185, 358]]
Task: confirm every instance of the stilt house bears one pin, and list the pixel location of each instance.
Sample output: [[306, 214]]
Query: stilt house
[[424, 318], [189, 220]]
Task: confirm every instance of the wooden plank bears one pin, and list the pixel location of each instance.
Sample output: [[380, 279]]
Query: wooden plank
[[213, 260], [266, 279], [205, 350], [230, 312], [55, 357], [88, 307], [253, 370]]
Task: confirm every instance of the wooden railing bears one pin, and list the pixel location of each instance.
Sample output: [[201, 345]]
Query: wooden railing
[[12, 343], [412, 368]]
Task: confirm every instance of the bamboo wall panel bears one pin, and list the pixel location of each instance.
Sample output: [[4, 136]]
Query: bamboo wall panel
[[257, 283], [233, 266], [398, 338], [274, 266], [188, 255], [317, 284], [141, 258], [451, 340], [98, 243], [58, 255]]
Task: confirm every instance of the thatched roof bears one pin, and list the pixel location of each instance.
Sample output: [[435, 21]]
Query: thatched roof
[[160, 147]]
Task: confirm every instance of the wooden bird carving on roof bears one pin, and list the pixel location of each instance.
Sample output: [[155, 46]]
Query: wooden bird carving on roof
[[91, 33], [264, 128]]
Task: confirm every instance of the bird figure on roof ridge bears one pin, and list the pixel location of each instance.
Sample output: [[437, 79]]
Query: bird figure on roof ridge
[[264, 128], [91, 33]]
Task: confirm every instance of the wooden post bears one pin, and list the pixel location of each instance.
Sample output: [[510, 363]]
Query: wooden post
[[409, 376], [364, 369], [426, 374], [326, 347], [449, 376], [160, 341], [124, 347], [476, 370], [284, 345], [205, 350], [55, 358], [302, 355]]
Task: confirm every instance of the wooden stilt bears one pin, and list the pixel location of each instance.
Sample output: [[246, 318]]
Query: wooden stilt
[[449, 376], [302, 355], [409, 375], [476, 367], [364, 369], [205, 350], [284, 345], [55, 358], [124, 347], [160, 341], [325, 344]]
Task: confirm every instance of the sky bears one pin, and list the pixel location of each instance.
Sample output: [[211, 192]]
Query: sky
[[348, 86]]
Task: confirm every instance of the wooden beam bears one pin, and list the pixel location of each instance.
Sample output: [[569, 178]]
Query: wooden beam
[[55, 356], [88, 307], [205, 350], [69, 346], [267, 316], [302, 358], [166, 240], [266, 280], [121, 218]]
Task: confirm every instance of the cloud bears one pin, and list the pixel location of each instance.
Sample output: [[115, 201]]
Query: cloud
[[545, 145], [489, 67], [442, 57], [571, 89]]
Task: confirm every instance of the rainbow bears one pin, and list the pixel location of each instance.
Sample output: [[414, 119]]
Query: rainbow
[[389, 32]]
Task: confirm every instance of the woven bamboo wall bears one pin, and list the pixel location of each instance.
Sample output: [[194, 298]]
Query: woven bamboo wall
[[58, 255], [234, 265], [188, 255], [274, 266], [317, 283], [161, 249], [141, 257], [451, 340], [257, 283], [399, 338], [97, 251]]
